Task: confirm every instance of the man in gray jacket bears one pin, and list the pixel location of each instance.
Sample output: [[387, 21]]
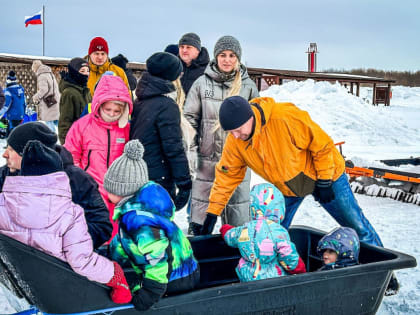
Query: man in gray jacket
[[194, 59]]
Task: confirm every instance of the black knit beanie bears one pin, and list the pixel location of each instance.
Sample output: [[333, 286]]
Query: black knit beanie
[[190, 39], [74, 66], [164, 65], [172, 49], [20, 136], [120, 60], [11, 78], [234, 112], [38, 159], [77, 63]]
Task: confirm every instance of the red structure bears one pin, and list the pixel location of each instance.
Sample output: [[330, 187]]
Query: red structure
[[312, 51]]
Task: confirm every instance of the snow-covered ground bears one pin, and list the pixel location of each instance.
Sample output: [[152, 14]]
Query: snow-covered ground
[[371, 133]]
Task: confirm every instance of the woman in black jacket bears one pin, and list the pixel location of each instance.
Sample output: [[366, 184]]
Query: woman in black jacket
[[156, 122]]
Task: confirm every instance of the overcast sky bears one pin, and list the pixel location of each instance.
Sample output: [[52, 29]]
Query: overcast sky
[[380, 34]]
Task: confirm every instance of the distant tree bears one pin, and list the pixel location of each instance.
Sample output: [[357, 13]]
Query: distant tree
[[406, 78]]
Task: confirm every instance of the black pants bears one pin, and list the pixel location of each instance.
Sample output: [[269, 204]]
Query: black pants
[[185, 284]]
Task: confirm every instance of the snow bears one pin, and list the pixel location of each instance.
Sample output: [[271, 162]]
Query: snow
[[371, 133], [18, 56]]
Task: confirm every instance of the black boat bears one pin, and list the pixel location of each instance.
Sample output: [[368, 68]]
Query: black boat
[[53, 288]]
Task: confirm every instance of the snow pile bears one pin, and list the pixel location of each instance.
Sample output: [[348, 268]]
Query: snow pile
[[407, 97]]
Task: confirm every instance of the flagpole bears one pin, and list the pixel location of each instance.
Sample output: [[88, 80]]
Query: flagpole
[[43, 30]]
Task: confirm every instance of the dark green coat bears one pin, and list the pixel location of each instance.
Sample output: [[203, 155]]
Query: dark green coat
[[73, 100]]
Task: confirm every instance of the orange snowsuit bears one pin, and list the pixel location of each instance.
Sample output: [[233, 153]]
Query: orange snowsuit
[[287, 149]]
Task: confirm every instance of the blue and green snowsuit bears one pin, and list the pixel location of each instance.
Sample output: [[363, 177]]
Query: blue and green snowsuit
[[152, 244], [265, 246]]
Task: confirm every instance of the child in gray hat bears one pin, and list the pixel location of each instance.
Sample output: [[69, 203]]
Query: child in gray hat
[[148, 239]]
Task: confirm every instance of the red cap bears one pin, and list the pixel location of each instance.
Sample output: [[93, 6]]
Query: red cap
[[98, 44]]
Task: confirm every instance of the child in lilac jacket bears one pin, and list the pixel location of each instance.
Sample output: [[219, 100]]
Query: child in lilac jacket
[[36, 209]]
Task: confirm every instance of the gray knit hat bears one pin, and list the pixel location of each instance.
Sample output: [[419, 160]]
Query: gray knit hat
[[191, 39], [228, 43], [128, 173]]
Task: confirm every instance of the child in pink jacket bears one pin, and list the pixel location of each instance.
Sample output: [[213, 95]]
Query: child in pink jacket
[[97, 139], [36, 209]]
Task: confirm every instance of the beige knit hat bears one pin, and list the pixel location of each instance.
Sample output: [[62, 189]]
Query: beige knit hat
[[128, 173]]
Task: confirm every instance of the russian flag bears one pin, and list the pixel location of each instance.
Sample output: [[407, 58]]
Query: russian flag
[[33, 19]]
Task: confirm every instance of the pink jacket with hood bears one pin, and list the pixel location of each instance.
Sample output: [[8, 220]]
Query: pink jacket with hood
[[38, 211], [94, 143]]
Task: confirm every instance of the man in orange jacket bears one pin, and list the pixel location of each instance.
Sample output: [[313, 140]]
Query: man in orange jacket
[[282, 144]]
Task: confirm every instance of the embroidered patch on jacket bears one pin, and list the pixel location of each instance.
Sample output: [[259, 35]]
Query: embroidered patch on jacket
[[225, 169], [208, 93], [244, 237], [120, 140]]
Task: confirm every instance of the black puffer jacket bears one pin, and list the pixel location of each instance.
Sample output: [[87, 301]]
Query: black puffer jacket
[[121, 61], [195, 70], [84, 193], [156, 123]]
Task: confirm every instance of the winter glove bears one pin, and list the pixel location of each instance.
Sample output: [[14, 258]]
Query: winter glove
[[35, 99], [149, 294], [194, 228], [208, 224], [225, 228], [300, 268], [120, 291], [181, 199], [323, 191]]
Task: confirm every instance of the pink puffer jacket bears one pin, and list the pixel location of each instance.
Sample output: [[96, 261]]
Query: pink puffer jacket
[[38, 211], [94, 143]]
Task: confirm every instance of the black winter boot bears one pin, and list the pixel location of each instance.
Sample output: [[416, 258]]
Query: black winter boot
[[393, 286]]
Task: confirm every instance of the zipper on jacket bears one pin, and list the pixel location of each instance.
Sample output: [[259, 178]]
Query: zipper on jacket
[[109, 148], [88, 158]]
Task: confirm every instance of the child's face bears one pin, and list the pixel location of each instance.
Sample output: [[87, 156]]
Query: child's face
[[84, 70], [329, 256], [114, 198], [111, 110]]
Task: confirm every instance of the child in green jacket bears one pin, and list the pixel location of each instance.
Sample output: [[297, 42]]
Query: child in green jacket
[[148, 240]]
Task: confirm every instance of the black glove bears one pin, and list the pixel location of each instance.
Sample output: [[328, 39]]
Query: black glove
[[149, 294], [323, 191], [208, 224], [182, 197], [194, 228]]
